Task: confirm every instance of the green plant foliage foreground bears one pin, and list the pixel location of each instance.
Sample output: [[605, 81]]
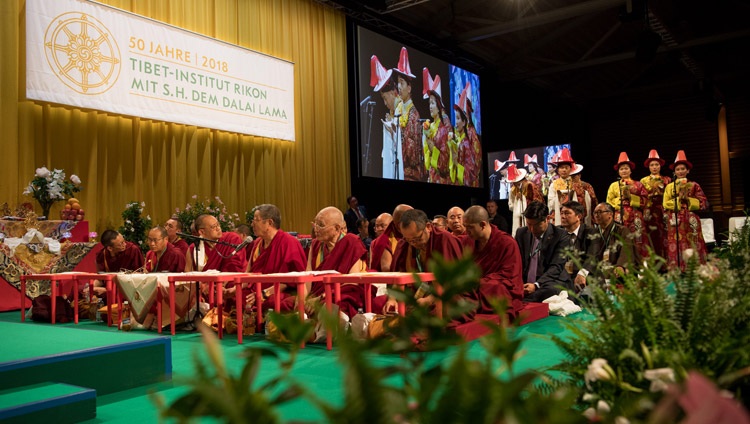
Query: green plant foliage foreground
[[637, 333], [413, 390], [655, 329]]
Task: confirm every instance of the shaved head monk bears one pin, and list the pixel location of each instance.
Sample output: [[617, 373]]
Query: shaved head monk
[[420, 242], [273, 251], [162, 255], [335, 249], [384, 246], [381, 223], [173, 226], [456, 221], [499, 258]]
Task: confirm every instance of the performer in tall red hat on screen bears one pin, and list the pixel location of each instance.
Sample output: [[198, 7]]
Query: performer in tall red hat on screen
[[628, 197], [535, 172], [435, 132], [682, 198], [382, 81], [653, 212], [408, 121], [465, 146]]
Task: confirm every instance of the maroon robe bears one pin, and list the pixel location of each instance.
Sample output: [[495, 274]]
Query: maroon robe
[[347, 251], [500, 262], [283, 254], [220, 258], [172, 260], [405, 260], [385, 242], [129, 259], [181, 245]]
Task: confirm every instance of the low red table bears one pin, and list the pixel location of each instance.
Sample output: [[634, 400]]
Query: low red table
[[217, 281], [300, 279], [55, 280], [368, 279]]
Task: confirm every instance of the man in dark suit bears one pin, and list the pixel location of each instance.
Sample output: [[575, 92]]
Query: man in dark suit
[[583, 240], [543, 253], [353, 214], [616, 250]]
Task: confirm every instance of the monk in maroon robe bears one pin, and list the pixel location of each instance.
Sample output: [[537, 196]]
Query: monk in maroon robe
[[216, 256], [382, 248], [173, 227], [117, 255], [334, 249], [272, 252], [421, 241], [499, 258], [163, 256]]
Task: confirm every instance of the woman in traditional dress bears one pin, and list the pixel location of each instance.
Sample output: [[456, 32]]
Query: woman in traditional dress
[[628, 197], [583, 193], [408, 121], [464, 144], [522, 193], [561, 189], [436, 133], [653, 213], [681, 199]]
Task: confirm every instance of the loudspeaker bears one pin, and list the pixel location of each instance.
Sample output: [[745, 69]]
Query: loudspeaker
[[648, 44]]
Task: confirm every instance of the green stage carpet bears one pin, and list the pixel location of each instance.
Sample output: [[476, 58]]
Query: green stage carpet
[[316, 366]]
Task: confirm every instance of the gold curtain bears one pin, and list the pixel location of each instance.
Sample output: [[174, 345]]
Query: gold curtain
[[121, 158]]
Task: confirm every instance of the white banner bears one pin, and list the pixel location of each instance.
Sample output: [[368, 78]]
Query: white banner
[[88, 55]]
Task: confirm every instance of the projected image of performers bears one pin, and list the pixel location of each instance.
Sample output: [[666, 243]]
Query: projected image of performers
[[537, 164], [412, 125]]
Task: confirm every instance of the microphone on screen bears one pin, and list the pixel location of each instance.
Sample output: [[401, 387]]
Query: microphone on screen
[[248, 240]]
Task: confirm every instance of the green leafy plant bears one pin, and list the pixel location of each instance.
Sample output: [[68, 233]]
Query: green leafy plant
[[414, 389], [135, 227], [653, 329], [228, 221]]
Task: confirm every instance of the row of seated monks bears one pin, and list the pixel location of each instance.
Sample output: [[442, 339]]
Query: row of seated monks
[[531, 267]]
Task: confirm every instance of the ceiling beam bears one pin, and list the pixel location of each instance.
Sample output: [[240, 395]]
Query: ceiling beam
[[543, 18], [631, 55]]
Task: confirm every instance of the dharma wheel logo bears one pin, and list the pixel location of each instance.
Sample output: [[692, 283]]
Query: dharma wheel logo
[[82, 52]]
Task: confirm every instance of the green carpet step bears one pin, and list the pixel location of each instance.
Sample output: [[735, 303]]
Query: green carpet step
[[47, 402], [107, 362]]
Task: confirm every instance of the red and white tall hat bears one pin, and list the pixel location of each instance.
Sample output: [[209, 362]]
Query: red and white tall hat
[[431, 86], [653, 155], [529, 159], [681, 159], [577, 168], [553, 160], [499, 165], [515, 174], [512, 157], [403, 67], [564, 157], [463, 100], [623, 159], [379, 76]]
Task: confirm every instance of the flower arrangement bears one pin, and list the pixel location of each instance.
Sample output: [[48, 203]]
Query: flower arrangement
[[217, 208], [49, 187], [135, 227]]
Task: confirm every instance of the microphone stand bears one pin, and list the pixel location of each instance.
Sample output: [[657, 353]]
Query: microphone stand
[[369, 108], [190, 236]]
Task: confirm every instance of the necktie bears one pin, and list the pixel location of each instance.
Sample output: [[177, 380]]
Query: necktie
[[572, 239], [359, 214], [531, 277]]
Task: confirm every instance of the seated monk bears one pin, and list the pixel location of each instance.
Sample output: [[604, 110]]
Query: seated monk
[[497, 254], [384, 245], [163, 256], [273, 251], [117, 255], [173, 226], [335, 249], [421, 241], [207, 256]]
